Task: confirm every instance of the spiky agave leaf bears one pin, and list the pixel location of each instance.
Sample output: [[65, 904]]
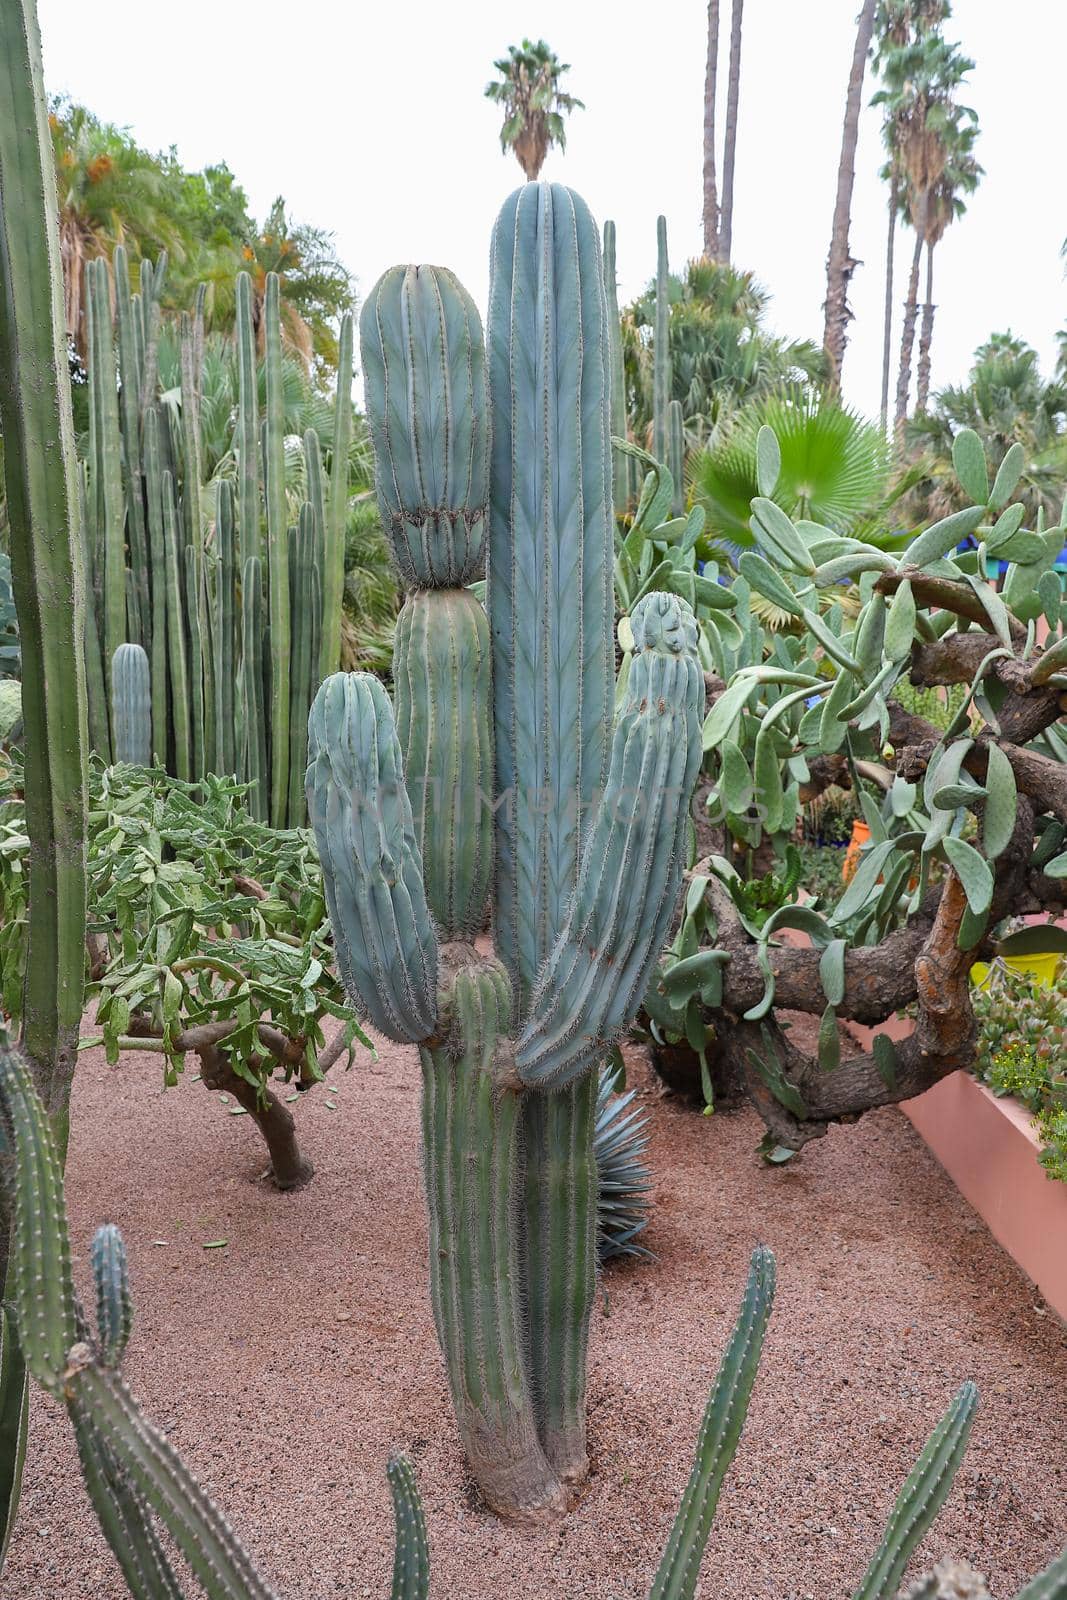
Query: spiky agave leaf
[[620, 1143]]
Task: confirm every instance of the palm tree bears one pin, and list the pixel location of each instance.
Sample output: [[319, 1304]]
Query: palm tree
[[945, 203], [840, 265], [711, 198], [109, 193], [534, 105], [721, 353], [315, 287], [920, 79], [896, 21], [733, 90]]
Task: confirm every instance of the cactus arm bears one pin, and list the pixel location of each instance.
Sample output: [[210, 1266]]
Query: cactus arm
[[921, 1498], [41, 1280], [676, 455], [549, 594], [114, 1309], [49, 1332], [224, 625], [594, 980], [130, 374], [254, 763], [1050, 1584], [108, 470], [470, 1138], [247, 424], [441, 690], [661, 347], [333, 559], [191, 588], [411, 1563], [179, 667], [372, 871], [96, 693], [152, 280], [620, 492], [47, 577], [424, 369], [157, 548], [14, 1426], [304, 541], [122, 1517], [157, 1475], [131, 705], [724, 1418], [277, 558]]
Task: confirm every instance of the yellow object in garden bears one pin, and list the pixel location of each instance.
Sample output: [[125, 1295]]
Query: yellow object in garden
[[1044, 967]]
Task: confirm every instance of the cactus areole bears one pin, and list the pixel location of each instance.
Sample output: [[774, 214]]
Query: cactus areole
[[498, 764]]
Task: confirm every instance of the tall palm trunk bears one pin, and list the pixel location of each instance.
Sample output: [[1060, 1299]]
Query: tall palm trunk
[[927, 333], [711, 196], [907, 338], [887, 333], [733, 90], [840, 265]]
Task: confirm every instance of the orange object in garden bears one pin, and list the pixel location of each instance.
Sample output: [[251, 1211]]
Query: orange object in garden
[[860, 835]]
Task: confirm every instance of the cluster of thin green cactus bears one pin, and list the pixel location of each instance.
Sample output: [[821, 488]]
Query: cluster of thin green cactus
[[144, 1496], [231, 591]]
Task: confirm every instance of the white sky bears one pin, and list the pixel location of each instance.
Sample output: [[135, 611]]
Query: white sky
[[370, 119]]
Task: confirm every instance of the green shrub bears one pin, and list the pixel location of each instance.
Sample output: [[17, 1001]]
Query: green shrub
[[1022, 1052]]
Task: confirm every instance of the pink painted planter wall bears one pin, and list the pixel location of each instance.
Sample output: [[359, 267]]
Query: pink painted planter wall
[[989, 1149]]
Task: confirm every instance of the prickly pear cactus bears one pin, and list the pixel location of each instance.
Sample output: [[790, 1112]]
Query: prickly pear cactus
[[500, 761]]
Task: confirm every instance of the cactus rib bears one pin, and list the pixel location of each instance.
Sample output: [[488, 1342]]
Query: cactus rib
[[720, 1430], [923, 1495]]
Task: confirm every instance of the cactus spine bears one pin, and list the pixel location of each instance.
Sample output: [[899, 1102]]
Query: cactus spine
[[45, 544], [131, 706], [500, 747], [620, 476], [661, 349]]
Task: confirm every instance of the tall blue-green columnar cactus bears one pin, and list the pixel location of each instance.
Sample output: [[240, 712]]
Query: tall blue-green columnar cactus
[[500, 763]]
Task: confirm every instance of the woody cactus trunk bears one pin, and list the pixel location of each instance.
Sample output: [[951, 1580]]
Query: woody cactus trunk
[[501, 767]]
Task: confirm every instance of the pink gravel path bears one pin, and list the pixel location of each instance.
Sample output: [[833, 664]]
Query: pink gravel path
[[288, 1365]]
